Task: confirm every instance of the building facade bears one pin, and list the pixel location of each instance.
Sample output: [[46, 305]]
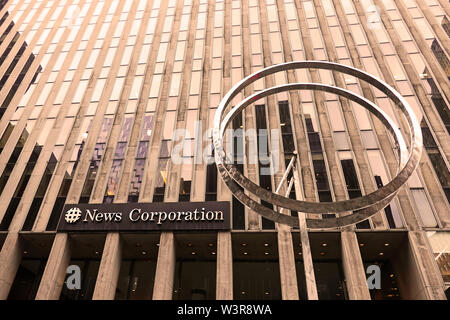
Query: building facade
[[92, 92]]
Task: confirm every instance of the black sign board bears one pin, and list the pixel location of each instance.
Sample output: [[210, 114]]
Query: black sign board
[[167, 216]]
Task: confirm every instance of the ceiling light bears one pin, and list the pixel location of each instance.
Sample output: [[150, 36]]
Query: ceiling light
[[211, 244], [266, 293], [386, 244], [243, 244], [213, 253], [361, 244], [144, 252], [322, 253], [266, 244], [381, 253], [245, 253], [266, 253], [189, 244], [324, 244], [193, 253]]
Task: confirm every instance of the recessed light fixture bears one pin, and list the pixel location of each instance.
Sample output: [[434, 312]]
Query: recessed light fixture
[[361, 244], [25, 252], [323, 253], [381, 253], [245, 253], [211, 244], [193, 253], [324, 244], [213, 253], [391, 275], [144, 252], [386, 244], [266, 293], [96, 252], [243, 244], [157, 244], [266, 244], [189, 244], [266, 253], [138, 244], [243, 292], [299, 253]]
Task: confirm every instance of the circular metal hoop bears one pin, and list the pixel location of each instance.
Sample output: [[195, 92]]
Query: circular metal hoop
[[363, 207]]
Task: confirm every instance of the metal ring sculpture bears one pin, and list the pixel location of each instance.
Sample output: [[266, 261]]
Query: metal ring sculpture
[[362, 207]]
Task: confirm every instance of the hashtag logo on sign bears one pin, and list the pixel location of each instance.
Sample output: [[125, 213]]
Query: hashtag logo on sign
[[73, 215]]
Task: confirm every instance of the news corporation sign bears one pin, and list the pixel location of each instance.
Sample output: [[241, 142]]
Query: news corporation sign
[[146, 216]]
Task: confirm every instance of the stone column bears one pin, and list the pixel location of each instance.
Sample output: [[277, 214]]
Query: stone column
[[10, 258], [108, 274], [288, 275], [224, 276], [55, 271], [431, 282], [165, 267], [224, 283], [356, 282]]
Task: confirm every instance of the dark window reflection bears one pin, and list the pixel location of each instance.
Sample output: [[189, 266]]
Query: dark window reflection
[[136, 280], [286, 127], [351, 178], [256, 280], [329, 280], [301, 280], [211, 182], [28, 277], [238, 214], [353, 189], [321, 176], [194, 280]]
